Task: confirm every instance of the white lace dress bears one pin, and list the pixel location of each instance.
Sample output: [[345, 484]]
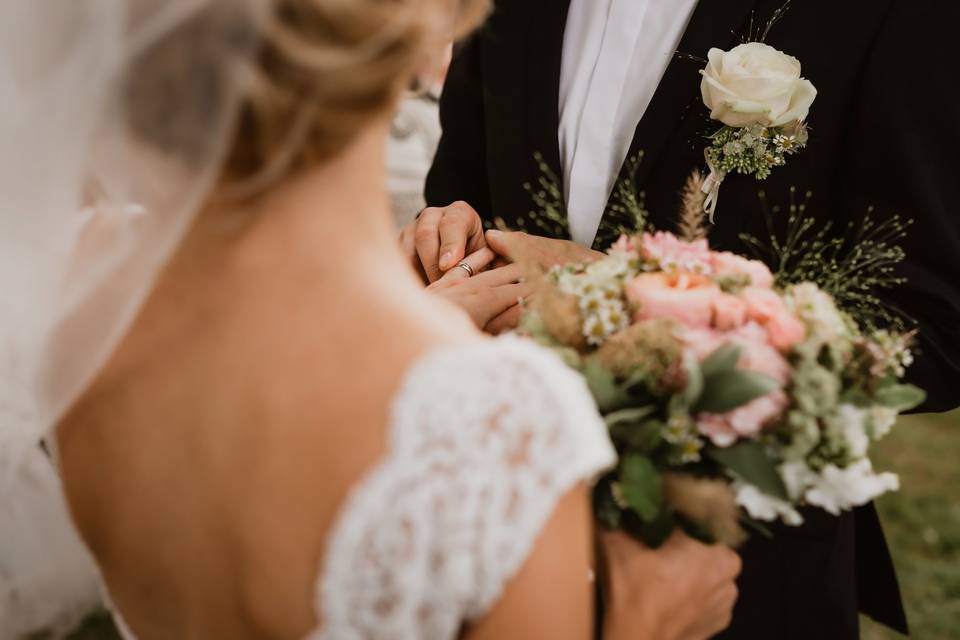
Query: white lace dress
[[484, 440]]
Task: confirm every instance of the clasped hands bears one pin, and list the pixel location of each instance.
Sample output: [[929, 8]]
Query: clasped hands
[[503, 264]]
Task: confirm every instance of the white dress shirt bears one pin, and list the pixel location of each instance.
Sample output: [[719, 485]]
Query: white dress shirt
[[615, 53]]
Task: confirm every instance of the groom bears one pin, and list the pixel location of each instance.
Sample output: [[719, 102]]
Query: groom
[[590, 83]]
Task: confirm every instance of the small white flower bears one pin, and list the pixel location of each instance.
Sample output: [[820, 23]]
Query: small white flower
[[818, 311], [847, 427], [838, 490], [760, 506], [594, 330], [614, 317], [881, 421], [798, 477]]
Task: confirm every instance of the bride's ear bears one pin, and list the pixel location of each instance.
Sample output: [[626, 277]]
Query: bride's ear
[[429, 79]]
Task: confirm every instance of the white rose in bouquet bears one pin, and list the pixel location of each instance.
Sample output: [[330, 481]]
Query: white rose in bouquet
[[755, 84]]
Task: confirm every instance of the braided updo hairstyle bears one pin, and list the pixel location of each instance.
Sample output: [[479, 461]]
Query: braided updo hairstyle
[[327, 68]]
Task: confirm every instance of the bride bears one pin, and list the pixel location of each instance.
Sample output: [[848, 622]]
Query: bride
[[266, 428]]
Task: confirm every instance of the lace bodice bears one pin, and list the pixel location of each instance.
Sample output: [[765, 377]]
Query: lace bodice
[[484, 440]]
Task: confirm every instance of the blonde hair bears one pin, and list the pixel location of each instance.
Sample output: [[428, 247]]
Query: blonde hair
[[327, 68]]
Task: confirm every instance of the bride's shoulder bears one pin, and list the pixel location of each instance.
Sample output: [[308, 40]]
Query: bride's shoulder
[[485, 438], [505, 404], [508, 375]]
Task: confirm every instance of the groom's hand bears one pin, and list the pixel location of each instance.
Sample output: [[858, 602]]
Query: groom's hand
[[440, 238], [537, 253]]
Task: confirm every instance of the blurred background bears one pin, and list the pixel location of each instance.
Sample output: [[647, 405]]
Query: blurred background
[[922, 522]]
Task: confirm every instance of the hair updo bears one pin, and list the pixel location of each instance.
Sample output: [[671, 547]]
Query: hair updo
[[327, 68]]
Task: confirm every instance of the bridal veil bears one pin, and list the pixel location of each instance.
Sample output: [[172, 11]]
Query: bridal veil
[[107, 151]]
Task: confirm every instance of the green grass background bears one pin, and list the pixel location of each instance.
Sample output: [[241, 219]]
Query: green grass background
[[922, 522]]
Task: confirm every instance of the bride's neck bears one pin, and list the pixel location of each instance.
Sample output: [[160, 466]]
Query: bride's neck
[[330, 216], [340, 207]]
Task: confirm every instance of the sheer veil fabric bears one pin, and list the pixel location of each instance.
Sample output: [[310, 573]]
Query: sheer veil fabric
[[101, 174]]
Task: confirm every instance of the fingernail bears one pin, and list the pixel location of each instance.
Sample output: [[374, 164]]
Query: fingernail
[[445, 260], [494, 233]]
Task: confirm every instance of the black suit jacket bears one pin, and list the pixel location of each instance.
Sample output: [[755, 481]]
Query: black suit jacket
[[885, 133]]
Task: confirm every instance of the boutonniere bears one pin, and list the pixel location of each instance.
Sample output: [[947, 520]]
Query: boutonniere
[[760, 97]]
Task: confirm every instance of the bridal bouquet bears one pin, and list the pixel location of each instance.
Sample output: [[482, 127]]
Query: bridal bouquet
[[730, 400]]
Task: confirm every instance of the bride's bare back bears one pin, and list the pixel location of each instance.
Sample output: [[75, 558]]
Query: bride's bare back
[[209, 463], [214, 451]]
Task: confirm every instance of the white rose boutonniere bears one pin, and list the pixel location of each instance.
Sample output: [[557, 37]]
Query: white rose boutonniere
[[754, 84], [760, 97]]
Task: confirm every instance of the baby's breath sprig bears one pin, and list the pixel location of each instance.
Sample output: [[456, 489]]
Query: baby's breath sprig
[[759, 32], [755, 150], [627, 214], [550, 213], [853, 267]]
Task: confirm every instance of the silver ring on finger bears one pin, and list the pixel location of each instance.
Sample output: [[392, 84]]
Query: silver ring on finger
[[466, 267]]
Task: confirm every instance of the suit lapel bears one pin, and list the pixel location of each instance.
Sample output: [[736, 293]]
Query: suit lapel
[[543, 38], [715, 23]]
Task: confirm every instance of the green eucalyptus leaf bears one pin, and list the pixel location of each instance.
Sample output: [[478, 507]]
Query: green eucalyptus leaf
[[654, 532], [901, 397], [756, 526], [632, 415], [640, 486], [605, 507], [724, 359], [643, 438], [857, 397], [750, 462], [603, 385], [682, 401], [729, 390]]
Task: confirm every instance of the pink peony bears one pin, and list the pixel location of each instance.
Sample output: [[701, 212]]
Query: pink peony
[[682, 296], [730, 264], [672, 253], [729, 312], [765, 306]]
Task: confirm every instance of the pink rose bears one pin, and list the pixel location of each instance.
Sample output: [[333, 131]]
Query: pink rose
[[786, 331], [758, 354], [682, 296], [700, 343], [625, 244], [744, 422], [762, 304], [729, 312], [765, 306], [671, 253], [718, 429], [730, 264]]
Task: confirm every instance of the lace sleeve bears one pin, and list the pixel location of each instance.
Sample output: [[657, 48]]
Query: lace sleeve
[[485, 440]]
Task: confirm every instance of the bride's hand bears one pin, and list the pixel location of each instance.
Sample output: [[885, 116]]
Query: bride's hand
[[684, 590], [487, 294]]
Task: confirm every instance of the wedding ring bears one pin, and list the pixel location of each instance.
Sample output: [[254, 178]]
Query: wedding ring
[[466, 267]]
